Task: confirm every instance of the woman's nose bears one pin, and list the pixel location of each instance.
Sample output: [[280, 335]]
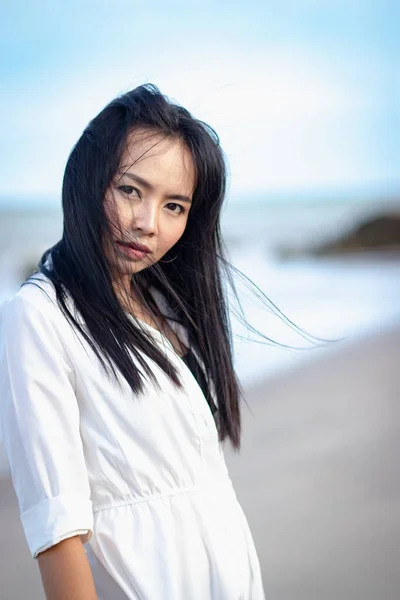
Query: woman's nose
[[145, 217]]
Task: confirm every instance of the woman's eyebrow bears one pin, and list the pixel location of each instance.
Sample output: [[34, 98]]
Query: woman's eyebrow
[[147, 185]]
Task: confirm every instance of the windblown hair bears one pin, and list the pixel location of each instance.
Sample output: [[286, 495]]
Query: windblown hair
[[192, 275]]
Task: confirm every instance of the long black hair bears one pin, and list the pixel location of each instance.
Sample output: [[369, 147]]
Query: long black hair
[[193, 276], [190, 275]]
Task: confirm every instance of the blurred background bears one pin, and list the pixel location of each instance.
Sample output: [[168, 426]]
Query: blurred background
[[305, 97]]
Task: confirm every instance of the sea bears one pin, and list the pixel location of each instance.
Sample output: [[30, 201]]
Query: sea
[[292, 305]]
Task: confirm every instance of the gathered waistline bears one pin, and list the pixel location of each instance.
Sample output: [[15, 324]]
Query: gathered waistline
[[133, 500]]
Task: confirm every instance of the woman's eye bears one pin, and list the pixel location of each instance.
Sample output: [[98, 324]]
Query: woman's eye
[[178, 212], [128, 189]]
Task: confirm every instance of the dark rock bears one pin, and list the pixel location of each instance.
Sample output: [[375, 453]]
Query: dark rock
[[382, 231]]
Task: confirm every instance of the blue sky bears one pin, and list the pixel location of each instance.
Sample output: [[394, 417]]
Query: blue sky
[[304, 95]]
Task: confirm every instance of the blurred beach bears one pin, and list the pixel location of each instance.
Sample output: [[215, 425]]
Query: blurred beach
[[317, 475]]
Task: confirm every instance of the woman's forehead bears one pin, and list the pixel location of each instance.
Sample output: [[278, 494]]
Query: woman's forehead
[[153, 153], [145, 143]]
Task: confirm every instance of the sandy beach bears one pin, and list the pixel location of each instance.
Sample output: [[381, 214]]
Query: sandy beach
[[317, 477]]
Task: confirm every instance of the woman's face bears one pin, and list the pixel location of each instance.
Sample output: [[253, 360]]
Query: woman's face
[[148, 202]]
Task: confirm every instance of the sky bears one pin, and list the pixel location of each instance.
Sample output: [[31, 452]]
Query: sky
[[303, 94]]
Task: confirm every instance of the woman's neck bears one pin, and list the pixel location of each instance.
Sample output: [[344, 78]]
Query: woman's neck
[[128, 298], [131, 303]]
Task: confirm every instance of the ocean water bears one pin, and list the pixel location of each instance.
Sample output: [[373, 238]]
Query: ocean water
[[329, 298], [333, 299]]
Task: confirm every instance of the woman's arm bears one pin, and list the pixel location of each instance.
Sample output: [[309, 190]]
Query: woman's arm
[[40, 424], [65, 571]]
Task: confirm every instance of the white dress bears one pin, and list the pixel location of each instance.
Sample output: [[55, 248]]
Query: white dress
[[142, 479]]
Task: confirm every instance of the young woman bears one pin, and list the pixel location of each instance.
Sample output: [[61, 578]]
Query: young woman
[[116, 373]]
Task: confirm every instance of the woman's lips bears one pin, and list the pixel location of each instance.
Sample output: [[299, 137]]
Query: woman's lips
[[133, 251]]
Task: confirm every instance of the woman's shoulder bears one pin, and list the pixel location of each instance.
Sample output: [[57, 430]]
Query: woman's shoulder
[[36, 294], [32, 319]]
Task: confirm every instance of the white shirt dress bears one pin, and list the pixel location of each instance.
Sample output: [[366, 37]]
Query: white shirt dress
[[142, 479]]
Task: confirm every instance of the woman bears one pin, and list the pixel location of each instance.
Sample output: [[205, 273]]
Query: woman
[[116, 372]]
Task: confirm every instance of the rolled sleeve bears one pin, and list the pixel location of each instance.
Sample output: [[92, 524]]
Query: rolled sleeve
[[40, 425], [59, 518]]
